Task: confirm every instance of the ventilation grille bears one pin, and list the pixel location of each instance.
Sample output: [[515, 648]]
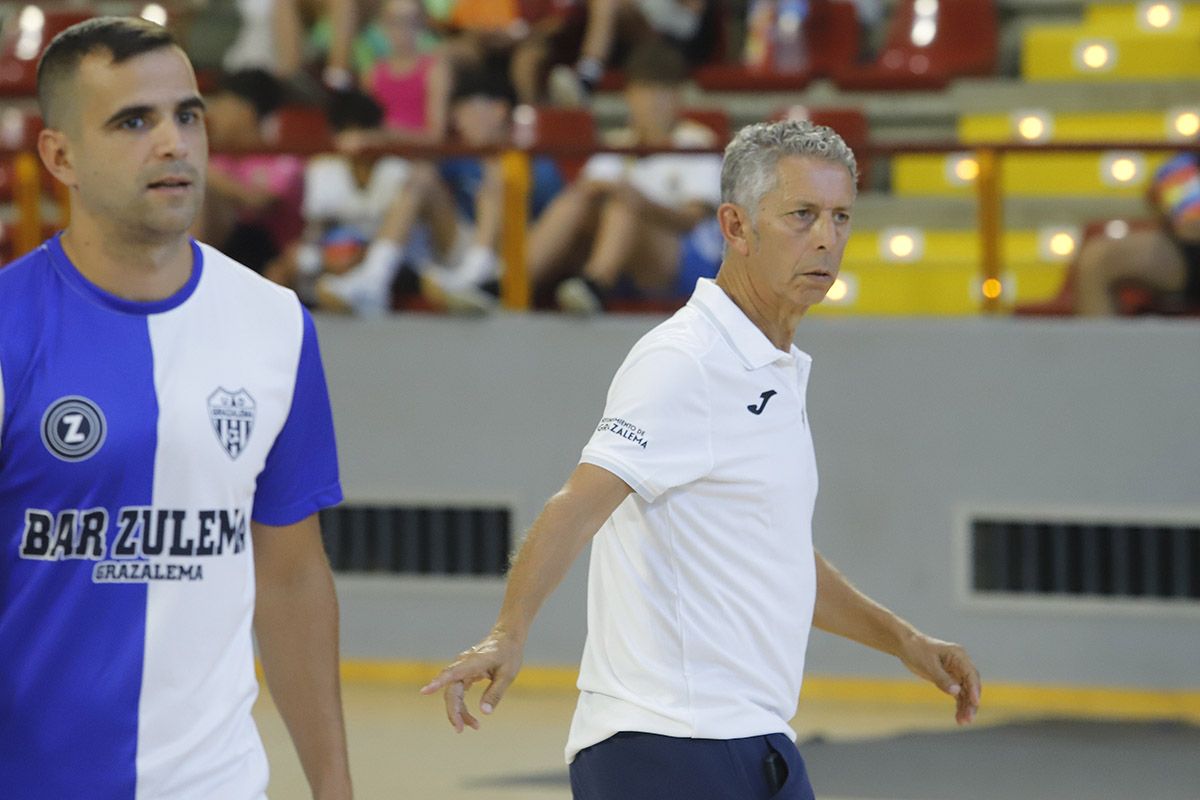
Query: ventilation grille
[[417, 540], [1086, 559]]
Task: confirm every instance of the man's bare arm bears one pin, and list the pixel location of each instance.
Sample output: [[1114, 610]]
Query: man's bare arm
[[296, 623], [569, 520], [843, 610]]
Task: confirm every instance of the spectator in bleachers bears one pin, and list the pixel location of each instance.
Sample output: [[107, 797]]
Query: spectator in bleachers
[[350, 48], [1165, 259], [411, 85], [612, 29], [505, 35], [647, 221], [446, 221], [252, 204], [345, 200], [268, 38]]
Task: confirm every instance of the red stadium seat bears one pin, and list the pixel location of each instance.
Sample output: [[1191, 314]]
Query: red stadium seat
[[558, 126], [24, 37], [833, 42], [301, 129], [715, 119], [952, 38]]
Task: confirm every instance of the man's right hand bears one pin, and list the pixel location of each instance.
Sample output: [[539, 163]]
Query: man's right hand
[[497, 658]]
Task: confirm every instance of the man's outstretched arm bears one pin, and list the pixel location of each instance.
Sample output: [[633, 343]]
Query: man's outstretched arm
[[843, 610], [569, 520]]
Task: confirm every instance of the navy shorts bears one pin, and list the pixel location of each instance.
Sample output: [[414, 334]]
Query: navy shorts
[[646, 766]]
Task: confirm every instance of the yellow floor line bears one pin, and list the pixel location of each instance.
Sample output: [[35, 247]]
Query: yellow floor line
[[1084, 701]]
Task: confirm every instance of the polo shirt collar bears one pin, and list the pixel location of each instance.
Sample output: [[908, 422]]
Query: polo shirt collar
[[751, 344]]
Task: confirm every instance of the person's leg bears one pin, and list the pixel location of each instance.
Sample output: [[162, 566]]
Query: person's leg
[[489, 205], [464, 272], [626, 244], [610, 26], [365, 288], [562, 228], [288, 30], [526, 68], [1150, 257]]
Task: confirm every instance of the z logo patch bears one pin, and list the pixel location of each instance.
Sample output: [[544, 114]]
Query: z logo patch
[[758, 408], [73, 428], [232, 415]]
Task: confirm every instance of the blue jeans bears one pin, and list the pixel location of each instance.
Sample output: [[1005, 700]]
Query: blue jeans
[[646, 766]]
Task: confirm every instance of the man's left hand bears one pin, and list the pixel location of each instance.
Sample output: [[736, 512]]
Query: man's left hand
[[947, 666]]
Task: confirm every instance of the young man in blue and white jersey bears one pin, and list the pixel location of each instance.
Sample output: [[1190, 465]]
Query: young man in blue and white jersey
[[166, 441]]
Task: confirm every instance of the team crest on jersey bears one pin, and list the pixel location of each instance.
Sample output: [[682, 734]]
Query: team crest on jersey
[[232, 415], [73, 428]]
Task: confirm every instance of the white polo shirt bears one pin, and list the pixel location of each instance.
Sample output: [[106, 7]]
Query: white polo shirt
[[702, 583]]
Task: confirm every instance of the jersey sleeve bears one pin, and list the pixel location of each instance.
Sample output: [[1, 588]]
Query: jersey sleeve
[[655, 433], [300, 476]]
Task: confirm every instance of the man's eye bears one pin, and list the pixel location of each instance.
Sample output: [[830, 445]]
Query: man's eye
[[841, 217], [189, 116], [133, 123]]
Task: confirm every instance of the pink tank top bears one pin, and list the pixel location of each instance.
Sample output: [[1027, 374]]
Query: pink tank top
[[403, 96]]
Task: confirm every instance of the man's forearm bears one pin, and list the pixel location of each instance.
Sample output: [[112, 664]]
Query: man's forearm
[[297, 627], [569, 520], [843, 610]]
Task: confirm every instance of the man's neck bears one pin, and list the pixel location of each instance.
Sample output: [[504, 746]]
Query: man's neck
[[779, 327], [139, 271]]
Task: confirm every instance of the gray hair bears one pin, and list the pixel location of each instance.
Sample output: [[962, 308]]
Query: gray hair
[[748, 172]]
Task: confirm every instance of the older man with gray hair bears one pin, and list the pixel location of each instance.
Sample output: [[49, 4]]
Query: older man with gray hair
[[697, 490]]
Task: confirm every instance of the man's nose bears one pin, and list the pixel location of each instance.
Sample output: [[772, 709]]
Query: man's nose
[[824, 232], [171, 141]]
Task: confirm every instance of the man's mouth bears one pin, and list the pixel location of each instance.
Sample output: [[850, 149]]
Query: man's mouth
[[171, 183]]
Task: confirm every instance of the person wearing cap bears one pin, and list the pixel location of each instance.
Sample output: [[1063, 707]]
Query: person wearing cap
[[696, 491]]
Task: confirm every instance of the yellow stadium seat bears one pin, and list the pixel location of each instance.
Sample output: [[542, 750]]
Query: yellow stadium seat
[[1116, 126], [1119, 17], [1056, 53], [1032, 174], [945, 280]]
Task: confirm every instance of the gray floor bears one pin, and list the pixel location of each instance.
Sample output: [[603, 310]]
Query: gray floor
[[1050, 760]]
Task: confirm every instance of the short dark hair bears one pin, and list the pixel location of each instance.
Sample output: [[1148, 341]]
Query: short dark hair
[[257, 87], [122, 37], [353, 108], [483, 82]]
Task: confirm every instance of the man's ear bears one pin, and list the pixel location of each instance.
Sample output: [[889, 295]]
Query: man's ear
[[55, 152], [735, 227]]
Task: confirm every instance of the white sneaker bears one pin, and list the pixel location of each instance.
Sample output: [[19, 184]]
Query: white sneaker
[[476, 267], [357, 291], [575, 296], [458, 288], [444, 289], [565, 88]]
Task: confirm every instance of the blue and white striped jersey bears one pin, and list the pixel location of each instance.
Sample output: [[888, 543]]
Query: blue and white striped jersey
[[137, 442]]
